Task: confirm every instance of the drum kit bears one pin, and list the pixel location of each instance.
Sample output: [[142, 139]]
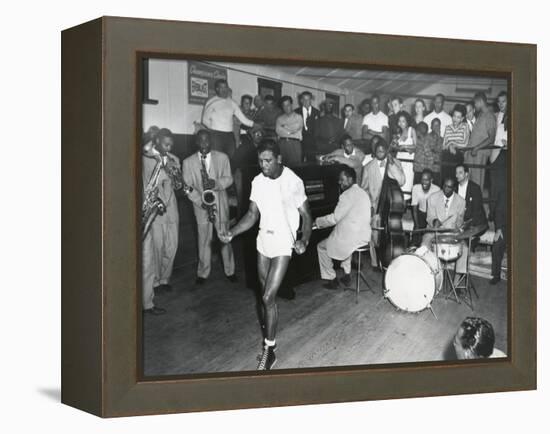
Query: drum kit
[[416, 277]]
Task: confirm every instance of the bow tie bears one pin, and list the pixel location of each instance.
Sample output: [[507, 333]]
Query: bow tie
[[382, 164]]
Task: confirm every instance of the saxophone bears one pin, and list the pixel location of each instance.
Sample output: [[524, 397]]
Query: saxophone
[[208, 195], [152, 203]]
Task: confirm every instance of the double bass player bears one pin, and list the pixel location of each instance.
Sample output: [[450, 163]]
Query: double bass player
[[372, 180]]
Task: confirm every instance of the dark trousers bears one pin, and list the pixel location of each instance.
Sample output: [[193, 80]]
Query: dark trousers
[[499, 210], [291, 151], [223, 142], [449, 162], [497, 255]]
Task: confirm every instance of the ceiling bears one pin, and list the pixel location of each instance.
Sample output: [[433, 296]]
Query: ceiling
[[404, 84]]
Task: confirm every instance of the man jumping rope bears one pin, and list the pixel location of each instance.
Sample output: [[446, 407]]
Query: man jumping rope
[[278, 198]]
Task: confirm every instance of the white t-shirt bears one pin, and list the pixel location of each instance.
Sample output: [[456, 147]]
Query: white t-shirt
[[501, 133], [444, 118], [376, 121], [420, 197], [278, 201], [462, 189]]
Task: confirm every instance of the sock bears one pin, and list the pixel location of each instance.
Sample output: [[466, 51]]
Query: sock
[[269, 343]]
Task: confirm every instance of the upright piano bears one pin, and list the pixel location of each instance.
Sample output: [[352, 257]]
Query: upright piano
[[322, 190]]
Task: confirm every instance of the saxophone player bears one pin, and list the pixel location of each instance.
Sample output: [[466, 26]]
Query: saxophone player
[[164, 229], [208, 174]]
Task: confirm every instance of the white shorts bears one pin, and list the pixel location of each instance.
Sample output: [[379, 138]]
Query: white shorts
[[272, 245]]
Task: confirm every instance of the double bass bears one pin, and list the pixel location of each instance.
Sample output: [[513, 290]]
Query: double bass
[[390, 240]]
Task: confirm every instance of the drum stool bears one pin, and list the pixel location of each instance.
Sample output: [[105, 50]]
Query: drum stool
[[465, 282], [360, 274]]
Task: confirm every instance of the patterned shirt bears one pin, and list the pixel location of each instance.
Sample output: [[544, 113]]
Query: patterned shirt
[[459, 135], [428, 153]]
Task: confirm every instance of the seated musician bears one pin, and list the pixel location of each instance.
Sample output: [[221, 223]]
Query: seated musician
[[420, 194], [374, 173], [475, 339], [471, 193], [351, 221], [446, 210], [349, 155]]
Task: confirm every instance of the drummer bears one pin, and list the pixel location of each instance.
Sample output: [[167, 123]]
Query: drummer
[[446, 211]]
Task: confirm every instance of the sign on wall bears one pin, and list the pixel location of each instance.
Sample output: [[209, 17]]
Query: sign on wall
[[201, 78]]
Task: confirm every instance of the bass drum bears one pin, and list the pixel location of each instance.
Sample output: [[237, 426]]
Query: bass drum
[[413, 280]]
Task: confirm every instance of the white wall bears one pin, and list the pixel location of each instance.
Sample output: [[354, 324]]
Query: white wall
[[168, 85], [449, 90]]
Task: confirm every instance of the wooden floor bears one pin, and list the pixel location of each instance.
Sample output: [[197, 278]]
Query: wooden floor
[[215, 328]]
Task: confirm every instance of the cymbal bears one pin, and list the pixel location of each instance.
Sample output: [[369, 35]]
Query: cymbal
[[471, 232], [438, 230]]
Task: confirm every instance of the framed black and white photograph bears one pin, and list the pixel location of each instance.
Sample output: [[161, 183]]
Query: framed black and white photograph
[[361, 238], [284, 227]]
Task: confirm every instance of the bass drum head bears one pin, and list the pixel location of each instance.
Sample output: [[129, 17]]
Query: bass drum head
[[410, 284]]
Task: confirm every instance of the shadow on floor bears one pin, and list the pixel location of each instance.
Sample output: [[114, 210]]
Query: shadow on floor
[[51, 393]]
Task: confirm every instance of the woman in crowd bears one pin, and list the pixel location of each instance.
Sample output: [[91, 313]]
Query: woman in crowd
[[455, 140], [419, 111], [405, 144]]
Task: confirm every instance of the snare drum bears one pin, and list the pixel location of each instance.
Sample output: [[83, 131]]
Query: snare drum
[[413, 280], [448, 248]]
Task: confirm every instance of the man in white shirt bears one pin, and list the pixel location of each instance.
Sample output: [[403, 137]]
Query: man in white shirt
[[217, 117], [501, 136], [376, 122], [420, 194], [445, 119], [310, 116], [470, 115], [278, 200]]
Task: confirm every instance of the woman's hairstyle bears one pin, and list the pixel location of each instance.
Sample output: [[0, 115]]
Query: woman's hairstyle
[[420, 100], [477, 336], [460, 108], [405, 115]]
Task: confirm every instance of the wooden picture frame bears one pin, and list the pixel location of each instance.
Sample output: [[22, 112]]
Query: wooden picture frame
[[100, 220]]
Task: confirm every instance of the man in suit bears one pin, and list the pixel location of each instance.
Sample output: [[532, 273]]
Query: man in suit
[[351, 221], [309, 116], [218, 172], [373, 174], [471, 193], [150, 265], [446, 210], [164, 228], [353, 122], [328, 130]]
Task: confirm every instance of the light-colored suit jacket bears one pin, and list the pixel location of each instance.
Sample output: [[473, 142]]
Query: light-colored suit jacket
[[220, 172], [452, 219], [351, 221], [165, 192], [371, 181], [354, 126]]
